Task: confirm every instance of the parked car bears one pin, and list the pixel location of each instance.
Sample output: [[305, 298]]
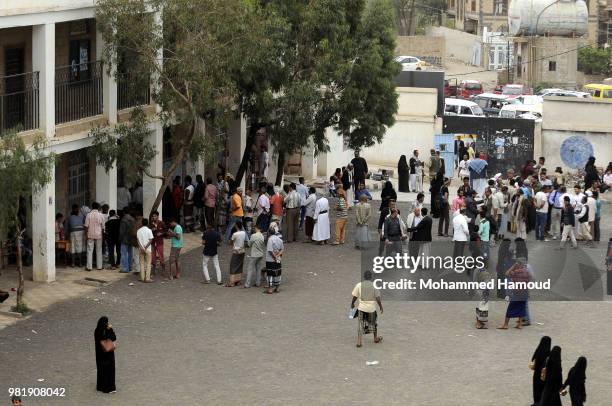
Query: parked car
[[599, 91], [517, 110], [542, 92], [515, 90], [528, 99], [469, 88], [411, 63], [460, 107], [568, 93], [498, 89], [490, 103], [450, 87]]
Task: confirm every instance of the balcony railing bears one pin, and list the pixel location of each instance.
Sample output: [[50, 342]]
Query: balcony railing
[[131, 91], [78, 91], [19, 102]]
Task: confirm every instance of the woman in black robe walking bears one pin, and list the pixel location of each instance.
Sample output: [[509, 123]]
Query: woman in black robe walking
[[553, 379], [436, 185], [537, 364], [387, 194], [403, 174], [105, 360], [575, 380]]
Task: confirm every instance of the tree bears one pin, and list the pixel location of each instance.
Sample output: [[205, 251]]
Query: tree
[[187, 57], [595, 61], [334, 58], [24, 171]]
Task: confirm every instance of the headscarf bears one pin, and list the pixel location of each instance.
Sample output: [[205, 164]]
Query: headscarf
[[101, 328], [553, 364], [273, 228], [388, 187], [402, 162], [542, 352], [580, 369]]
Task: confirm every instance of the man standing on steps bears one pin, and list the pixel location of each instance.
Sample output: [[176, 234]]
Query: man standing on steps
[[94, 227], [360, 169]]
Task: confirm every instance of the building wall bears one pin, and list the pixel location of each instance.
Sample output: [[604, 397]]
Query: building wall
[[544, 51], [414, 129], [422, 46], [16, 38], [458, 44], [16, 7], [574, 128]]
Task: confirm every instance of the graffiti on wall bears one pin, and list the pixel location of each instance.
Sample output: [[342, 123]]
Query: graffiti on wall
[[575, 151]]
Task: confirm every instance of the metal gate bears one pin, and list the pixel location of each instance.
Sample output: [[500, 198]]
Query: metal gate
[[445, 143]]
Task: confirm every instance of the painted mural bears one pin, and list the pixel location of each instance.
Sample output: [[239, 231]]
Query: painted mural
[[575, 151]]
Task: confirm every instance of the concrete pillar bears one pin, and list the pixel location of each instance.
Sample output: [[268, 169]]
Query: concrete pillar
[[43, 62], [151, 186], [43, 233], [106, 186], [236, 141], [109, 84]]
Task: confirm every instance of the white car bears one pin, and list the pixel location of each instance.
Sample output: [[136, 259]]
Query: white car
[[460, 107], [517, 110], [411, 63]]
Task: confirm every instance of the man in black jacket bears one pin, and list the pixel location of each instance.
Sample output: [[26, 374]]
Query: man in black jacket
[[420, 242], [360, 169], [568, 220]]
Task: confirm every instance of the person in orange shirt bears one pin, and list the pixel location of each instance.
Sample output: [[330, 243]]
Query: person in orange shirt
[[236, 212], [276, 207]]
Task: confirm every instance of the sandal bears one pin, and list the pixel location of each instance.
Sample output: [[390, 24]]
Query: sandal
[[380, 338], [359, 346]]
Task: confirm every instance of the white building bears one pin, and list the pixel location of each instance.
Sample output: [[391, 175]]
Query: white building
[[53, 82]]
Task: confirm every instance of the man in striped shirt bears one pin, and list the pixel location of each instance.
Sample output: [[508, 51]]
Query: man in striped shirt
[[341, 216]]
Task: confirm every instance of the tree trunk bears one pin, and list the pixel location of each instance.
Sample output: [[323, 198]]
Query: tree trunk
[[20, 287], [411, 27], [177, 160], [250, 140], [280, 163]]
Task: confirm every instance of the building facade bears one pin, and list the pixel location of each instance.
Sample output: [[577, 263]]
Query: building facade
[[473, 15], [53, 82]]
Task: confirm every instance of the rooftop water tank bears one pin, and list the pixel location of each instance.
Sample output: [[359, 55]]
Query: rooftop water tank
[[562, 18]]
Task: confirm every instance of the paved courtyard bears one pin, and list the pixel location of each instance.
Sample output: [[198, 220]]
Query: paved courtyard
[[183, 342]]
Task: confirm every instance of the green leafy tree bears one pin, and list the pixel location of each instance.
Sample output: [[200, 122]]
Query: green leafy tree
[[595, 61], [24, 171], [333, 68], [187, 58]]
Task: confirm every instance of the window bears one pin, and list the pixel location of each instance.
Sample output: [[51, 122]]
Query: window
[[500, 7], [473, 7], [466, 110], [78, 178], [519, 61], [552, 66]]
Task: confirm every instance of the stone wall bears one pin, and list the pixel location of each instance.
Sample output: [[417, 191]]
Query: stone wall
[[459, 45], [431, 49]]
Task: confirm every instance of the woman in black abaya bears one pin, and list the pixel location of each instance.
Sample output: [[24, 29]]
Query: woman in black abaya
[[537, 363], [403, 173], [436, 185], [105, 360], [553, 379], [575, 380]]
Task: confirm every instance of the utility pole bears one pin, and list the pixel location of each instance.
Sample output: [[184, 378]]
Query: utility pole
[[480, 17]]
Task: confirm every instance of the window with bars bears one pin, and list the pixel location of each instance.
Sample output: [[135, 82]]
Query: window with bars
[[78, 178], [500, 7]]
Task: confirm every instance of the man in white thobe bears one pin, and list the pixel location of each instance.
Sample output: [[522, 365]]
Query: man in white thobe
[[321, 232]]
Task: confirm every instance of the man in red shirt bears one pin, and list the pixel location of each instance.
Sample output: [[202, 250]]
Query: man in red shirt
[[276, 206]]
